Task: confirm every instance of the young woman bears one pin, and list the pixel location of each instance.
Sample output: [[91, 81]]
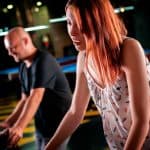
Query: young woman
[[112, 69]]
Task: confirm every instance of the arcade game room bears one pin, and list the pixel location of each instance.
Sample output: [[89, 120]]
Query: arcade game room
[[45, 20]]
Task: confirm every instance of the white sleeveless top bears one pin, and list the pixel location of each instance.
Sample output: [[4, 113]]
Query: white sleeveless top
[[113, 104]]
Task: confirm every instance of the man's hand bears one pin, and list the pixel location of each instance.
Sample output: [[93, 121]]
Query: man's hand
[[3, 126], [4, 135], [15, 134]]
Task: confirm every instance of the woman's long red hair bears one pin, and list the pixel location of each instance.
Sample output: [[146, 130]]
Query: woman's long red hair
[[103, 31]]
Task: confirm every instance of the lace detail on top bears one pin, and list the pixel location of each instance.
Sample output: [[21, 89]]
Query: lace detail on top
[[113, 104]]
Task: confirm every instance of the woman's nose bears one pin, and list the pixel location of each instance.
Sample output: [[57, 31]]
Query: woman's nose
[[73, 30]]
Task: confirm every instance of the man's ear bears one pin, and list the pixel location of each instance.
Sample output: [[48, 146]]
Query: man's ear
[[25, 40]]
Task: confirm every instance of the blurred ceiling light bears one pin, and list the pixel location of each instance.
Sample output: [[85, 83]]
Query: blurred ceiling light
[[55, 20], [130, 8], [117, 10], [5, 10], [38, 3], [3, 33], [10, 6], [36, 9], [35, 28], [123, 9]]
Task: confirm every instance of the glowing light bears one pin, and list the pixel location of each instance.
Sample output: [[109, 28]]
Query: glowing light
[[35, 28], [36, 9], [10, 6], [123, 9], [5, 10], [39, 3], [55, 20]]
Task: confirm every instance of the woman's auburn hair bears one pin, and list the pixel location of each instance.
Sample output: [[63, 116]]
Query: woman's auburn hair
[[103, 31]]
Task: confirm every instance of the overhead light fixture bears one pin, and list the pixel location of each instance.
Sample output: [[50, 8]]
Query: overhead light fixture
[[123, 9], [10, 6], [55, 20], [3, 33], [41, 27], [36, 9], [38, 3], [34, 28], [5, 10]]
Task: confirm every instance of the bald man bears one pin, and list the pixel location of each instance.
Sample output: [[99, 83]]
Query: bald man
[[46, 95]]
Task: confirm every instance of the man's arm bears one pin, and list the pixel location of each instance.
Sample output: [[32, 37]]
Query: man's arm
[[13, 117], [30, 107]]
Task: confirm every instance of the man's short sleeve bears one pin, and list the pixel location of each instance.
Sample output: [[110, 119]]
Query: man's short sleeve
[[44, 72], [21, 78]]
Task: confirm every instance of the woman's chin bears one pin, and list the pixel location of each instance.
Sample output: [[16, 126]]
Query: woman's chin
[[79, 48]]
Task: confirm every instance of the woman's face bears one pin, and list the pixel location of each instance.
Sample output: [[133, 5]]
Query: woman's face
[[74, 32]]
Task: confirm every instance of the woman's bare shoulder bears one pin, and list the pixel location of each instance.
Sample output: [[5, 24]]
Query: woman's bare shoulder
[[130, 42], [131, 48], [132, 51]]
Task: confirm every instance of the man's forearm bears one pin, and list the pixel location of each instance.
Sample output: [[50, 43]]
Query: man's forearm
[[31, 105], [13, 117]]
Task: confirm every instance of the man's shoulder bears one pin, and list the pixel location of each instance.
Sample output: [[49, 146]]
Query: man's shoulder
[[45, 55], [44, 58]]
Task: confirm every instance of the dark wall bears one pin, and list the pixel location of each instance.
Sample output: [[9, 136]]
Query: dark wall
[[142, 23], [5, 60]]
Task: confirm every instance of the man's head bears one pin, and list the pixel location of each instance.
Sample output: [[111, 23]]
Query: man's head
[[19, 44]]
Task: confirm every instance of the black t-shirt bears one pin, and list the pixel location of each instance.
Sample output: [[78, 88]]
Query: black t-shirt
[[46, 73]]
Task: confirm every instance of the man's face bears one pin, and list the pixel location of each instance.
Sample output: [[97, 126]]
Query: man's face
[[15, 48]]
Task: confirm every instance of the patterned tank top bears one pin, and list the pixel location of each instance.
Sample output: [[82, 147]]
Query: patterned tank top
[[113, 104]]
